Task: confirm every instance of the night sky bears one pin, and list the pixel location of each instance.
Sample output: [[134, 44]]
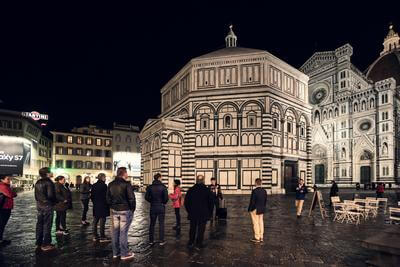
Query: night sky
[[100, 64]]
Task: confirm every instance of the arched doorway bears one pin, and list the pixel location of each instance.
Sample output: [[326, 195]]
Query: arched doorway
[[320, 164], [366, 167]]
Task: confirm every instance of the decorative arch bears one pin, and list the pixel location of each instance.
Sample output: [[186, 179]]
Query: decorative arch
[[228, 103], [385, 149], [156, 143], [276, 104], [296, 116], [252, 102], [203, 105], [175, 138]]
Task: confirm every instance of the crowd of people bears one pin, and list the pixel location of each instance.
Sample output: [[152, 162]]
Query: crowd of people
[[202, 204]]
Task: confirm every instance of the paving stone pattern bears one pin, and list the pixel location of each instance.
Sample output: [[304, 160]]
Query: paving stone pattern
[[288, 241]]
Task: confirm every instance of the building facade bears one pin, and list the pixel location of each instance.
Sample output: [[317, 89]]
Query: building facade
[[84, 151], [235, 114], [355, 116], [20, 132]]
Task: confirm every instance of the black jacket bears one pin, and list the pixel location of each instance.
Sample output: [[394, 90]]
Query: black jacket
[[98, 196], [258, 200], [62, 197], [157, 195], [45, 193], [199, 203], [85, 191], [120, 195], [334, 190], [216, 192]]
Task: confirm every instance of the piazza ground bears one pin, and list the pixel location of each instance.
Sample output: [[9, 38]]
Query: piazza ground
[[309, 241]]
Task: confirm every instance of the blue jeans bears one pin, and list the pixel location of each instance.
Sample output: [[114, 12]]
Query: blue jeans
[[121, 221]]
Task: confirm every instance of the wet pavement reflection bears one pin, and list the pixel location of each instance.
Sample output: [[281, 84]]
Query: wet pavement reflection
[[307, 241]]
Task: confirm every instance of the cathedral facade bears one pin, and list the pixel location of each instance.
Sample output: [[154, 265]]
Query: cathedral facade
[[235, 114], [355, 116]]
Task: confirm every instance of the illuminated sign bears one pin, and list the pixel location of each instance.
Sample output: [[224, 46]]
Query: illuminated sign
[[129, 160], [36, 116], [14, 154]]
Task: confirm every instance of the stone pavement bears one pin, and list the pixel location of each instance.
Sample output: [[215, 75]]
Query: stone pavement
[[288, 241]]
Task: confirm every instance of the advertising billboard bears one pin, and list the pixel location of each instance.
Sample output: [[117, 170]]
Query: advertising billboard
[[14, 154], [129, 160]]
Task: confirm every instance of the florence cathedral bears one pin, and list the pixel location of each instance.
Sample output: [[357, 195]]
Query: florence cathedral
[[238, 114]]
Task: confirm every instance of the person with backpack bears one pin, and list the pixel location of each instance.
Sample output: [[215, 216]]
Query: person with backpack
[[176, 198], [6, 205]]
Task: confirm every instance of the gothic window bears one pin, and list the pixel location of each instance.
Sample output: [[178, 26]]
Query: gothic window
[[204, 122], [325, 115], [228, 122], [336, 112], [384, 149], [343, 153], [289, 125], [363, 105], [317, 117], [330, 114], [355, 107], [251, 120], [371, 103], [275, 124]]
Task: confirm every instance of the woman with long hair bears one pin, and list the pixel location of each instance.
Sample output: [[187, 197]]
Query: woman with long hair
[[61, 206], [85, 196]]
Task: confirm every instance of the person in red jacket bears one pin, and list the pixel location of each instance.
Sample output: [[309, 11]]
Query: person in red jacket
[[380, 189], [7, 204], [176, 203]]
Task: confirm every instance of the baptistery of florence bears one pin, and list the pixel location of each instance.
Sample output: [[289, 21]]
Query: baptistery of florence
[[235, 114], [355, 116]]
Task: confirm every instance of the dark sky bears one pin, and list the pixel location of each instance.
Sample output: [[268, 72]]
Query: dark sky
[[101, 63]]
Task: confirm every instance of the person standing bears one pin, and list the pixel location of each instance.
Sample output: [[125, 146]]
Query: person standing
[[78, 182], [258, 202], [122, 201], [334, 191], [6, 205], [61, 206], [217, 196], [45, 196], [101, 210], [301, 191], [85, 196], [176, 198], [198, 203], [157, 195], [380, 190]]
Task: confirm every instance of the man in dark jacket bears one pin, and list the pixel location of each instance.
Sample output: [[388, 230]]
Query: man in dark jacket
[[101, 210], [198, 204], [157, 195], [334, 191], [122, 201], [258, 201], [45, 199]]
